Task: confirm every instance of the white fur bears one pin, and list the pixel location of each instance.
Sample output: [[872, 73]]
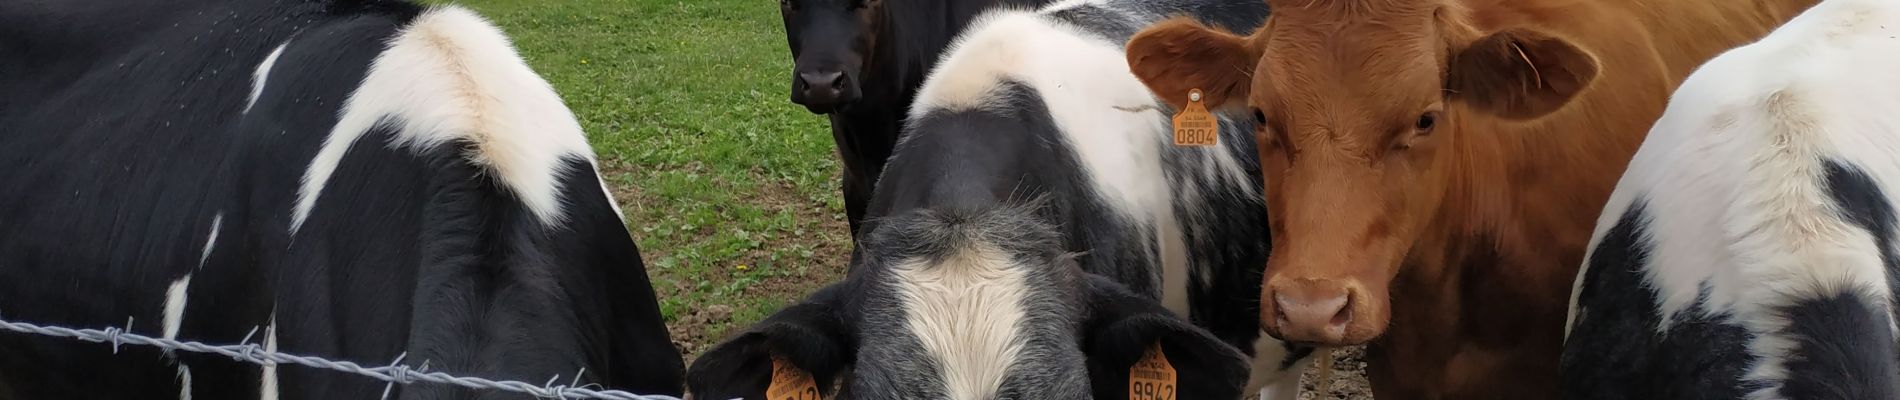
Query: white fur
[[184, 382], [175, 296], [211, 240], [267, 384], [1268, 354], [1733, 174], [448, 76], [966, 313], [262, 74], [1106, 114]]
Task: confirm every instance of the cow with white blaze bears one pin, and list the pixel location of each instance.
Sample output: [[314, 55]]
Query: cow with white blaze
[[1036, 232], [362, 179], [1749, 252]]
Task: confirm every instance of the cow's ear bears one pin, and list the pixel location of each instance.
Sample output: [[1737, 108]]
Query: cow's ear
[[809, 340], [1180, 54], [1519, 74], [1124, 330]]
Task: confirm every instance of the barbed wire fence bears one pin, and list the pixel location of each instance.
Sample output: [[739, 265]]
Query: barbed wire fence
[[395, 373]]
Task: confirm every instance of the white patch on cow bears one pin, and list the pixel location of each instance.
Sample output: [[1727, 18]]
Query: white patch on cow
[[211, 240], [450, 76], [262, 74], [267, 383], [965, 311], [1267, 379], [184, 382], [1734, 181], [175, 296]]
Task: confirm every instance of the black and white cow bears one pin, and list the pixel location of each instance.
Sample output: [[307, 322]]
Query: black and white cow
[[1036, 230], [365, 179], [1749, 251]]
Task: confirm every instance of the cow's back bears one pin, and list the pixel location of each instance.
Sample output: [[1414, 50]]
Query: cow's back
[[308, 169], [1749, 249]]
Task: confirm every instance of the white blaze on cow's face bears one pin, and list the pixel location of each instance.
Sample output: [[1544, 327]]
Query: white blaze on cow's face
[[965, 312], [975, 311]]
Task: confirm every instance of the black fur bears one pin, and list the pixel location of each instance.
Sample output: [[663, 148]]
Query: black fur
[[1613, 351], [888, 73], [123, 132], [1846, 348]]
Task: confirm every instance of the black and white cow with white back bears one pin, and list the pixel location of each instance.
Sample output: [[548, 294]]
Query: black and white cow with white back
[[364, 179], [1749, 251], [1036, 231]]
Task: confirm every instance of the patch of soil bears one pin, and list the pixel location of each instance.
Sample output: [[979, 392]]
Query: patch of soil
[[1348, 380]]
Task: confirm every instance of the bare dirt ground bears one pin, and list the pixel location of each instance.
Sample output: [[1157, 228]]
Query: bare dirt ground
[[1348, 381]]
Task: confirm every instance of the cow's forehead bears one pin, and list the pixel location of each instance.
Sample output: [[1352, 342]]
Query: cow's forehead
[[964, 315]]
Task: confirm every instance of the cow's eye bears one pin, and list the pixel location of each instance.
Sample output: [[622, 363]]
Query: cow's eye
[[1259, 117], [1426, 122]]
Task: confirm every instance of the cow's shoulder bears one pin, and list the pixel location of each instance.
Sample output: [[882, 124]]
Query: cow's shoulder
[[449, 77]]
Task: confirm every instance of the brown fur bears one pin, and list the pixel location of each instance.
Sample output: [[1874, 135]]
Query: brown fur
[[1457, 245]]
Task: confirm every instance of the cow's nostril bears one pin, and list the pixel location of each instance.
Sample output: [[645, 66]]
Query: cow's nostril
[[1344, 316], [838, 82]]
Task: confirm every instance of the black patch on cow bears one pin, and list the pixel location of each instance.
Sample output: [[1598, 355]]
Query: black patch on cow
[[1862, 201], [1614, 351], [1113, 25], [1294, 353], [1124, 324], [1846, 347], [814, 335], [1237, 16], [1844, 350]]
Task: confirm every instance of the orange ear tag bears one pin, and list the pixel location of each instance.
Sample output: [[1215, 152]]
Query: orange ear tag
[[1194, 126], [1152, 378], [790, 383]]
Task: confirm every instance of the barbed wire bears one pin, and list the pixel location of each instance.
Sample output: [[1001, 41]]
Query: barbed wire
[[394, 373]]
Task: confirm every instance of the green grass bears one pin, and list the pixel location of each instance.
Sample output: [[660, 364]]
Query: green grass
[[729, 187]]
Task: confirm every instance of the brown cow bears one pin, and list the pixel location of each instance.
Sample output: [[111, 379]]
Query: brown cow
[[1434, 167]]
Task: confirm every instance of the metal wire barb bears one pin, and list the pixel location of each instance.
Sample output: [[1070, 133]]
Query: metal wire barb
[[394, 373]]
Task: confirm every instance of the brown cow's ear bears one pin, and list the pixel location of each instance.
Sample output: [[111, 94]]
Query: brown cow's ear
[[1181, 54], [1520, 74]]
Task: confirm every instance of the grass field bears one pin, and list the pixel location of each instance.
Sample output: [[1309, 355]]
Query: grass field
[[728, 186]]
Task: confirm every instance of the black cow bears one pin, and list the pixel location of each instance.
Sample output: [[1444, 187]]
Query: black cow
[[860, 62], [1036, 231], [364, 179], [1749, 251]]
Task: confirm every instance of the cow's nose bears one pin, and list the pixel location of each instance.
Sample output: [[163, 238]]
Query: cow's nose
[[821, 90], [1312, 312]]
